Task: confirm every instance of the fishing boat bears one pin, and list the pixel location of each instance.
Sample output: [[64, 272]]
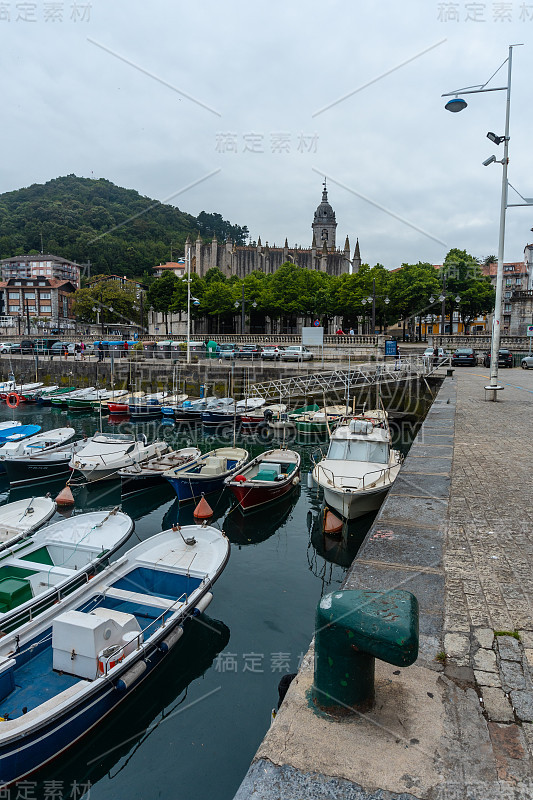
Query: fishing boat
[[191, 410], [150, 473], [40, 443], [6, 387], [147, 406], [44, 398], [172, 403], [121, 406], [232, 413], [107, 453], [65, 672], [20, 389], [32, 395], [22, 517], [261, 416], [15, 431], [45, 466], [220, 411], [60, 400], [37, 571], [359, 468], [269, 476], [207, 474], [319, 422], [284, 424], [93, 400]]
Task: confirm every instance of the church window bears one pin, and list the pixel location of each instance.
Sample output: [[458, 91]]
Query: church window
[[324, 233]]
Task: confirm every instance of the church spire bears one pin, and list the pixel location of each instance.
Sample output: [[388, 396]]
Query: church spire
[[325, 192], [347, 245]]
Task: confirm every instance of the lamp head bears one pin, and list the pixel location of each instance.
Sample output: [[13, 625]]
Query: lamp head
[[456, 104], [431, 299], [489, 160], [496, 139]]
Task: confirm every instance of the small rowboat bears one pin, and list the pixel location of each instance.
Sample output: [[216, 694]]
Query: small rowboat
[[207, 474], [150, 473], [268, 477]]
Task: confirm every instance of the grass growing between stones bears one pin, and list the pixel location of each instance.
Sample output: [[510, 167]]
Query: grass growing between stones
[[514, 634]]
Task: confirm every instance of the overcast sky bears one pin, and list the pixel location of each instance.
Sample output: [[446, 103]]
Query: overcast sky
[[246, 105]]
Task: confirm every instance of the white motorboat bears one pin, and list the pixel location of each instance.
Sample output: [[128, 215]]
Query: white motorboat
[[107, 453], [23, 517], [40, 467], [40, 443], [359, 468]]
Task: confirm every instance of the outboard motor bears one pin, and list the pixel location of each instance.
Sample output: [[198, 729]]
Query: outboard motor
[[268, 415]]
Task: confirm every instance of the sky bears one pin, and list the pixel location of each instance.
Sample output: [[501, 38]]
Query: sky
[[242, 108]]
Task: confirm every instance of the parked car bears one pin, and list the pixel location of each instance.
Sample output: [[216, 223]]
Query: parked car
[[428, 352], [249, 351], [58, 348], [505, 359], [464, 356], [24, 347], [271, 353], [44, 345], [527, 362], [227, 350], [296, 352], [6, 347]]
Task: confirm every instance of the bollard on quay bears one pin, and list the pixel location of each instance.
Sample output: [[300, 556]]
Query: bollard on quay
[[353, 628]]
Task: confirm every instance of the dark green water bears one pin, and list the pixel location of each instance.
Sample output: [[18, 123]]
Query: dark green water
[[191, 732]]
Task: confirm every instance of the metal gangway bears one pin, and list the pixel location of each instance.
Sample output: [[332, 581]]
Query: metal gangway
[[339, 380]]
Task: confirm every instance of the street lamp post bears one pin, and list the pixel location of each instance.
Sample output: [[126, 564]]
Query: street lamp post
[[458, 104], [242, 304]]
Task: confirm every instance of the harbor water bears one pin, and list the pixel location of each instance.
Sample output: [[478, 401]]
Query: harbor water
[[191, 732]]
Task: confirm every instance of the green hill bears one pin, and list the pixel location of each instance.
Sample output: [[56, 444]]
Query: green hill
[[117, 229]]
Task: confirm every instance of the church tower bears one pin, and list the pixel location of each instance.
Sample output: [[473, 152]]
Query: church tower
[[324, 224]]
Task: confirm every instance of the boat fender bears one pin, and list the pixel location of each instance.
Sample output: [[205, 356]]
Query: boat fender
[[174, 636], [131, 676], [296, 480], [12, 396], [240, 478], [202, 605]]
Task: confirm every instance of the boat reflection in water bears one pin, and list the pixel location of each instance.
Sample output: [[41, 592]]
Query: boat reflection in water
[[109, 750], [184, 514], [340, 548], [258, 526]]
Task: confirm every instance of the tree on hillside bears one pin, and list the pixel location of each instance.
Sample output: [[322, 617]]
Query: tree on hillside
[[161, 292], [102, 296]]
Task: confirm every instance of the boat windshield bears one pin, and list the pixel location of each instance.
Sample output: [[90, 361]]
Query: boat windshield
[[358, 450]]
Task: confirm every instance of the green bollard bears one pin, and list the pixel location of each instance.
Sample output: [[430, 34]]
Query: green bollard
[[353, 628]]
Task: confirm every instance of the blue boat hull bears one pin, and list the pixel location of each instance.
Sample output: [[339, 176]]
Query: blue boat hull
[[23, 432], [187, 489]]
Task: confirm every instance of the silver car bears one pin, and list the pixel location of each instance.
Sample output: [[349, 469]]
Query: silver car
[[527, 362], [296, 352]]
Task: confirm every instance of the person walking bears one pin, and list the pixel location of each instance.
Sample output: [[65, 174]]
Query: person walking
[[100, 351], [82, 350], [77, 351]]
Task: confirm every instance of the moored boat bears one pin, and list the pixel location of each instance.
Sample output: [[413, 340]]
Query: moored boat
[[41, 467], [54, 560], [20, 389], [207, 474], [45, 396], [138, 477], [191, 410], [7, 428], [269, 476], [15, 431], [319, 422], [147, 406], [60, 400], [22, 517], [107, 453], [70, 668], [40, 443], [359, 468]]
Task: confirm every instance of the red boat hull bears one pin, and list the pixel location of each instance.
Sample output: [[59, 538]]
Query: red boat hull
[[250, 496], [118, 408]]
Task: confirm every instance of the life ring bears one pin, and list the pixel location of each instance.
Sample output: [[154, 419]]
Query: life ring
[[12, 395]]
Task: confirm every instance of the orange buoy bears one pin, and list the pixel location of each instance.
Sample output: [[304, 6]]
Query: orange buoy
[[332, 524], [65, 497], [203, 510]]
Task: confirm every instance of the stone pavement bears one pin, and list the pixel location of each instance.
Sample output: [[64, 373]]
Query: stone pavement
[[456, 531]]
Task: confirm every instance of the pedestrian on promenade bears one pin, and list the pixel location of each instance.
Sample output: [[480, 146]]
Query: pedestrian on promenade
[[65, 351], [82, 350], [351, 331], [435, 356], [340, 332], [77, 351], [100, 351]]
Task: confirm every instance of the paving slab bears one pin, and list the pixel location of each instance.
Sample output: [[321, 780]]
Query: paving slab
[[420, 485], [523, 705], [497, 705]]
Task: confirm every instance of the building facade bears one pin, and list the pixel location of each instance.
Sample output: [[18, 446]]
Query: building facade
[[323, 255], [46, 302], [517, 292], [41, 266]]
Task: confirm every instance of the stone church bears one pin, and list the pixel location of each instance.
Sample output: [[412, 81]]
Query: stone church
[[323, 255]]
